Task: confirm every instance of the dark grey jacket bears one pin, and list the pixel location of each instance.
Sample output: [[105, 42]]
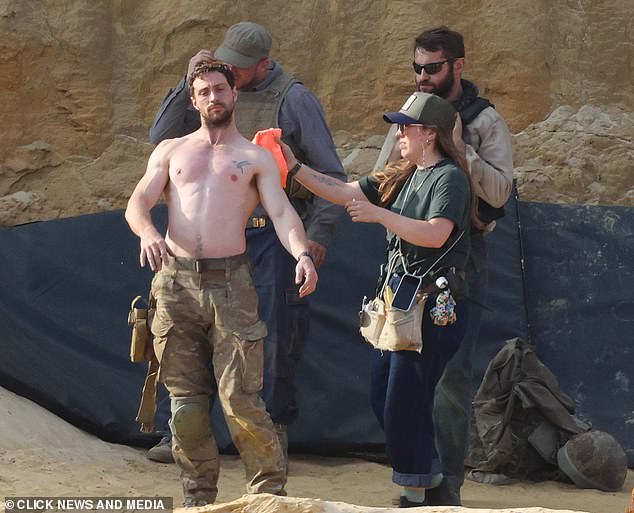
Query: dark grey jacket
[[518, 392]]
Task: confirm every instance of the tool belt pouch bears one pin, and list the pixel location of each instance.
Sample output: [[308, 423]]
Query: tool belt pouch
[[372, 320], [147, 407], [402, 331], [141, 349], [390, 329]]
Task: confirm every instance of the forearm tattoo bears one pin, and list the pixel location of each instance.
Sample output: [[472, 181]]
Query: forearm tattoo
[[326, 180]]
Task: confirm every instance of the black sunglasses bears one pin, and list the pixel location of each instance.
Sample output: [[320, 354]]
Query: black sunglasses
[[431, 68]]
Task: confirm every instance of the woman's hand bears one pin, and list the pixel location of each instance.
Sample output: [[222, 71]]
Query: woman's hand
[[289, 157], [365, 212]]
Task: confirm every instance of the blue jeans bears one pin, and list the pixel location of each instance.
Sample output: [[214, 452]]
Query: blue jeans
[[402, 385], [452, 407], [286, 318]]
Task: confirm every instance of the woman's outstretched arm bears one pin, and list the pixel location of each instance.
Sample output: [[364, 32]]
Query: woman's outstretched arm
[[324, 186]]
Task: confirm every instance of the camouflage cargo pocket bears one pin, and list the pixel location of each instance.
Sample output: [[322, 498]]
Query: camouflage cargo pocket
[[252, 365], [160, 329]]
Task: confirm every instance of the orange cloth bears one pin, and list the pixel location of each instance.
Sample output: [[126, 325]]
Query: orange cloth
[[266, 139]]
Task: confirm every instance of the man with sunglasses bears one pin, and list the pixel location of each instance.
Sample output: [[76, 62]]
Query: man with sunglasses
[[267, 97], [439, 61]]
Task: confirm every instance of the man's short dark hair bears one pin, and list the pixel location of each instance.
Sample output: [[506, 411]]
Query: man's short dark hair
[[442, 38], [209, 67]]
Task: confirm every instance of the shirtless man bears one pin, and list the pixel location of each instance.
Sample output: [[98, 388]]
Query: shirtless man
[[206, 305]]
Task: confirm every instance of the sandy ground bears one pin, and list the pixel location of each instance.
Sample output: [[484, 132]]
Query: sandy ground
[[42, 455]]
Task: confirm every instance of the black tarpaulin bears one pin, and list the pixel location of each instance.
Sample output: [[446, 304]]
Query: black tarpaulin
[[66, 287], [579, 262]]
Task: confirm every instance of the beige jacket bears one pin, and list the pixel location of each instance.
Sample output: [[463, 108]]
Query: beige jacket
[[489, 154], [490, 157]]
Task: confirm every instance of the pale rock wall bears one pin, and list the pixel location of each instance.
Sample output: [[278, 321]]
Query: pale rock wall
[[585, 155], [79, 77]]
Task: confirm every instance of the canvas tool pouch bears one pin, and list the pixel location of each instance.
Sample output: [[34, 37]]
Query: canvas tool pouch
[[142, 350], [147, 408], [139, 320], [390, 329], [372, 320]]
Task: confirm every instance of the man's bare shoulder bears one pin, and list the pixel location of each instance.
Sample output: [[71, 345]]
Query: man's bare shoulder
[[168, 146], [260, 157]]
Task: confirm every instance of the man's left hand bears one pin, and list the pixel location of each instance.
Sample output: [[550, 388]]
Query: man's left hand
[[306, 274], [318, 251]]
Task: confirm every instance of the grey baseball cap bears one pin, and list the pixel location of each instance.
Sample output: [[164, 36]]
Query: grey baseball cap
[[426, 109], [244, 45]]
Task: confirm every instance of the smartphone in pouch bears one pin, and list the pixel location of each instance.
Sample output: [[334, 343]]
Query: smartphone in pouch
[[405, 294]]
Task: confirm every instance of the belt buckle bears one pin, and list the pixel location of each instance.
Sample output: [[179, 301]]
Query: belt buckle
[[258, 222]]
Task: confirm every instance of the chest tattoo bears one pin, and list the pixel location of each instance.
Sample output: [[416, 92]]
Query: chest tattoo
[[240, 164]]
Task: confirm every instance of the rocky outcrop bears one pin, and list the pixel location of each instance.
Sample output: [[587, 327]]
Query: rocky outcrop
[[81, 81], [47, 186], [584, 156]]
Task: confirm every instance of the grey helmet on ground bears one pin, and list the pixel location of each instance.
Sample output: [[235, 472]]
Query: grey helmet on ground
[[594, 460]]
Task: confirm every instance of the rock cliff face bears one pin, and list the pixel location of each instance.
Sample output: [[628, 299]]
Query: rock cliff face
[[585, 156], [80, 82]]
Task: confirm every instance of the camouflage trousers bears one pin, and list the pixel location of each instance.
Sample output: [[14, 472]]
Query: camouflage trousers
[[207, 312]]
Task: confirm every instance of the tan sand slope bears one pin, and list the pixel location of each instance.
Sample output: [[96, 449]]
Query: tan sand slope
[[42, 455]]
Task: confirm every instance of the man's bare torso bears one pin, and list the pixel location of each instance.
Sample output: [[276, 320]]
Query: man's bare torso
[[210, 195]]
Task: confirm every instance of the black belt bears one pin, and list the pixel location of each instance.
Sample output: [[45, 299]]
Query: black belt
[[257, 222], [202, 265]]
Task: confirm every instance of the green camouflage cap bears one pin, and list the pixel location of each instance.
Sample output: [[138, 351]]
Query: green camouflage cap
[[426, 109]]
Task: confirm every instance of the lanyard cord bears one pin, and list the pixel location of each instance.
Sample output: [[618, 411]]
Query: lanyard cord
[[399, 254], [407, 198], [406, 201], [391, 264]]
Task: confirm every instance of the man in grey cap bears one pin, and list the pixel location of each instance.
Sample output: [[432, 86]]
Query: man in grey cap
[[267, 97]]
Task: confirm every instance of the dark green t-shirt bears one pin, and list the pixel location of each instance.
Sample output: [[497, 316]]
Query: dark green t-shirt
[[439, 191]]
